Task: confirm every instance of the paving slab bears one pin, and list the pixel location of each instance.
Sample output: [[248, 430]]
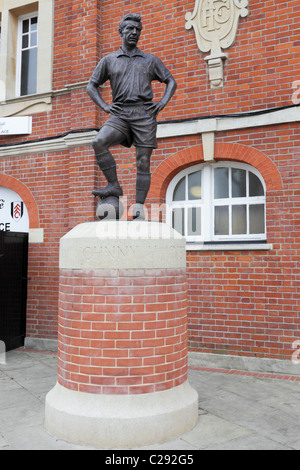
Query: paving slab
[[237, 411]]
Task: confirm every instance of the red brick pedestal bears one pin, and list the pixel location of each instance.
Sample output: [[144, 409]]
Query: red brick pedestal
[[122, 361]]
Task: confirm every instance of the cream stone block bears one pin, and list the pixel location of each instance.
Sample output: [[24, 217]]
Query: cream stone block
[[208, 143], [36, 235], [45, 49], [122, 245]]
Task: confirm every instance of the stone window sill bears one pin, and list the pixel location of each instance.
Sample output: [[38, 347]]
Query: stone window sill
[[25, 105], [235, 246]]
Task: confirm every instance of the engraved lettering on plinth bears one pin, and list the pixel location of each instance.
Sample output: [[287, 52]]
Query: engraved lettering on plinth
[[215, 23]]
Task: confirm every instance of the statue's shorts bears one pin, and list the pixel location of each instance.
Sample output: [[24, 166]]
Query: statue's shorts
[[137, 124]]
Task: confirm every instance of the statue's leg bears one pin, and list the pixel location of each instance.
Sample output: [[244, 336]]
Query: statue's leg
[[108, 167], [107, 137], [143, 179]]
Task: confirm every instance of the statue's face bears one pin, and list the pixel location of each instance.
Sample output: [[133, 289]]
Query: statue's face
[[131, 33]]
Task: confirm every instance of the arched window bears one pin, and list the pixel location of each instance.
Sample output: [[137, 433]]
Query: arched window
[[217, 203]]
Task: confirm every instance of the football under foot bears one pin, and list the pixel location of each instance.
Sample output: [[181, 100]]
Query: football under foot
[[138, 212]]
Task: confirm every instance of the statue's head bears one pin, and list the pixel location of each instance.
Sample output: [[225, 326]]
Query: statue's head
[[129, 18]]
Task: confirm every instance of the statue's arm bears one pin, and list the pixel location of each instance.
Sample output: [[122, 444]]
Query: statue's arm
[[93, 92], [170, 89]]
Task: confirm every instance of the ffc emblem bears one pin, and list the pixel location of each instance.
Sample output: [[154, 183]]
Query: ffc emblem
[[215, 23], [17, 210]]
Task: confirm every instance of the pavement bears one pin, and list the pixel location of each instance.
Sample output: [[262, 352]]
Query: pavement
[[238, 410]]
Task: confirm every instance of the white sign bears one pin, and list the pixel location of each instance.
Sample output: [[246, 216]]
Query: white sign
[[16, 125], [13, 212]]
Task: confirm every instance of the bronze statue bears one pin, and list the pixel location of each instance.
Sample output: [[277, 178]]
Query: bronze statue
[[133, 114]]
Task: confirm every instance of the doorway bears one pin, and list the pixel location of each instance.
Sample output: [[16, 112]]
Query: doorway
[[13, 288]]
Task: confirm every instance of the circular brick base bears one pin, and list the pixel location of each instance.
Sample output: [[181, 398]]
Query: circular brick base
[[122, 359]]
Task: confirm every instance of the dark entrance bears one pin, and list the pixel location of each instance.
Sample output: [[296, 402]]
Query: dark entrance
[[13, 288]]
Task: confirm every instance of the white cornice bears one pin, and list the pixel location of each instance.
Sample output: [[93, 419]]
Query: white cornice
[[199, 126], [59, 144], [172, 129]]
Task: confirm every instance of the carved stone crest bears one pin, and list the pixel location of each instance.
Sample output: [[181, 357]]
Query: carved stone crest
[[215, 23]]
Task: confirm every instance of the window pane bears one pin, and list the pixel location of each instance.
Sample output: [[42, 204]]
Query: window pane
[[25, 26], [179, 191], [25, 41], [33, 39], [238, 182], [255, 186], [221, 220], [29, 71], [178, 220], [221, 183], [194, 221], [194, 184], [257, 218], [239, 220], [33, 24]]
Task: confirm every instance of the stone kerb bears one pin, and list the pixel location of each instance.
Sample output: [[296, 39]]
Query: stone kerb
[[122, 360]]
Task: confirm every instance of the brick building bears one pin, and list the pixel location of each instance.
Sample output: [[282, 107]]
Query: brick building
[[225, 174]]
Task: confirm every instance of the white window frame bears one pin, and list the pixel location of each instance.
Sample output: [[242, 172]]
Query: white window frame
[[41, 101], [208, 203], [20, 49]]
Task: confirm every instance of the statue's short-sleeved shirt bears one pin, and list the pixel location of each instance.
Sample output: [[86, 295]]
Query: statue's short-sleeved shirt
[[130, 76]]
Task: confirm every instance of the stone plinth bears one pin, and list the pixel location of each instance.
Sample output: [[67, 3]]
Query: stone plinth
[[122, 360]]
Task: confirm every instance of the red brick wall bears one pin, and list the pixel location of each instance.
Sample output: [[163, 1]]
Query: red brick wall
[[239, 302], [243, 302], [262, 64]]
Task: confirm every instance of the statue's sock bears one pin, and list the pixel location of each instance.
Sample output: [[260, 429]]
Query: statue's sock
[[107, 165], [143, 181]]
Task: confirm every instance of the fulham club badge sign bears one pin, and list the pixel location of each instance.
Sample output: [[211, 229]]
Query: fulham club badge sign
[[17, 210], [13, 212]]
